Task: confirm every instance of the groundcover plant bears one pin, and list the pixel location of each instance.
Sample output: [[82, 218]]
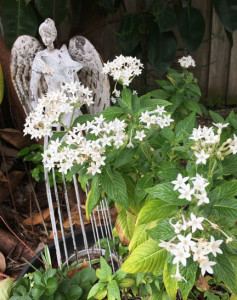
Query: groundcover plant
[[173, 183]]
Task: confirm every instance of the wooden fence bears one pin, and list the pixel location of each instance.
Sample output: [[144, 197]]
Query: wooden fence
[[216, 61]]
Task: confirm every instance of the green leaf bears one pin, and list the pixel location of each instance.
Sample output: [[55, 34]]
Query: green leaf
[[192, 105], [23, 151], [139, 236], [125, 224], [106, 270], [166, 18], [165, 191], [54, 9], [96, 289], [226, 208], [163, 231], [142, 184], [87, 274], [225, 272], [160, 94], [109, 6], [18, 19], [227, 12], [224, 191], [191, 26], [5, 288], [57, 135], [216, 117], [229, 165], [171, 284], [94, 195], [75, 292], [112, 112], [129, 33], [83, 119], [1, 84], [127, 97], [161, 49], [113, 291], [51, 287], [189, 273], [184, 128], [147, 257], [155, 210], [125, 156], [115, 187]]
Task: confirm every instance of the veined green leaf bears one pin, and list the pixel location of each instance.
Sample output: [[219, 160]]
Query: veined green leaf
[[143, 183], [189, 273], [227, 12], [5, 288], [112, 112], [171, 284], [140, 235], [226, 208], [224, 191], [127, 97], [184, 128], [113, 291], [162, 231], [115, 186], [94, 195], [147, 257], [224, 271], [155, 210], [125, 224], [165, 191]]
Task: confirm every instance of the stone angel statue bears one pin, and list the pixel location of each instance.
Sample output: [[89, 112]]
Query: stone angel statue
[[36, 70]]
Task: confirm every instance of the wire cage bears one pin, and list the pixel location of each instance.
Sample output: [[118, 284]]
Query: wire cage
[[100, 220]]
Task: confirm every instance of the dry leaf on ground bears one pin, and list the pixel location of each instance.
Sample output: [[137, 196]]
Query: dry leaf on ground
[[202, 283], [14, 137], [71, 273], [2, 263], [14, 177], [36, 218]]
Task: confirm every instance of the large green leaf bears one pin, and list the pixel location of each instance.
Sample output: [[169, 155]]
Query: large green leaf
[[171, 284], [113, 291], [139, 236], [229, 165], [161, 49], [112, 112], [166, 18], [54, 9], [189, 273], [162, 231], [224, 271], [142, 184], [129, 32], [191, 27], [165, 191], [147, 257], [1, 84], [226, 190], [155, 210], [5, 288], [125, 224], [184, 128], [94, 195], [18, 19], [226, 208], [115, 186], [227, 12]]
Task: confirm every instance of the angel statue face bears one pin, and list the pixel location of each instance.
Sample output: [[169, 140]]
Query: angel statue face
[[48, 33]]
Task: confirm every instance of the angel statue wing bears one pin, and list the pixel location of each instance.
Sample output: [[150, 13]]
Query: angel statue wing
[[91, 74], [23, 53]]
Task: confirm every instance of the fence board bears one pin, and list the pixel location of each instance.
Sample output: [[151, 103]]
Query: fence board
[[232, 80], [219, 64]]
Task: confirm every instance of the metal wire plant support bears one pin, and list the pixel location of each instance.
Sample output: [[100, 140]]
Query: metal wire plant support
[[100, 219]]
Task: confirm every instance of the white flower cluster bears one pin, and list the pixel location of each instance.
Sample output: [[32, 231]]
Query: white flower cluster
[[156, 117], [184, 246], [123, 69], [52, 106], [186, 62], [195, 192], [79, 149], [207, 143]]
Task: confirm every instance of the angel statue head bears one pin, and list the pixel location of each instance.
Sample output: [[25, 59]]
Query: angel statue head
[[48, 33]]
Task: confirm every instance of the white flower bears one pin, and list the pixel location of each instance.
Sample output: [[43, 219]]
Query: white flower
[[196, 134], [199, 182], [134, 92], [187, 61], [201, 157], [202, 198], [180, 256], [215, 246], [140, 135], [185, 241], [179, 182], [206, 265], [177, 275], [195, 223], [93, 169], [186, 192], [113, 100], [167, 245], [220, 125], [117, 93], [177, 227]]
